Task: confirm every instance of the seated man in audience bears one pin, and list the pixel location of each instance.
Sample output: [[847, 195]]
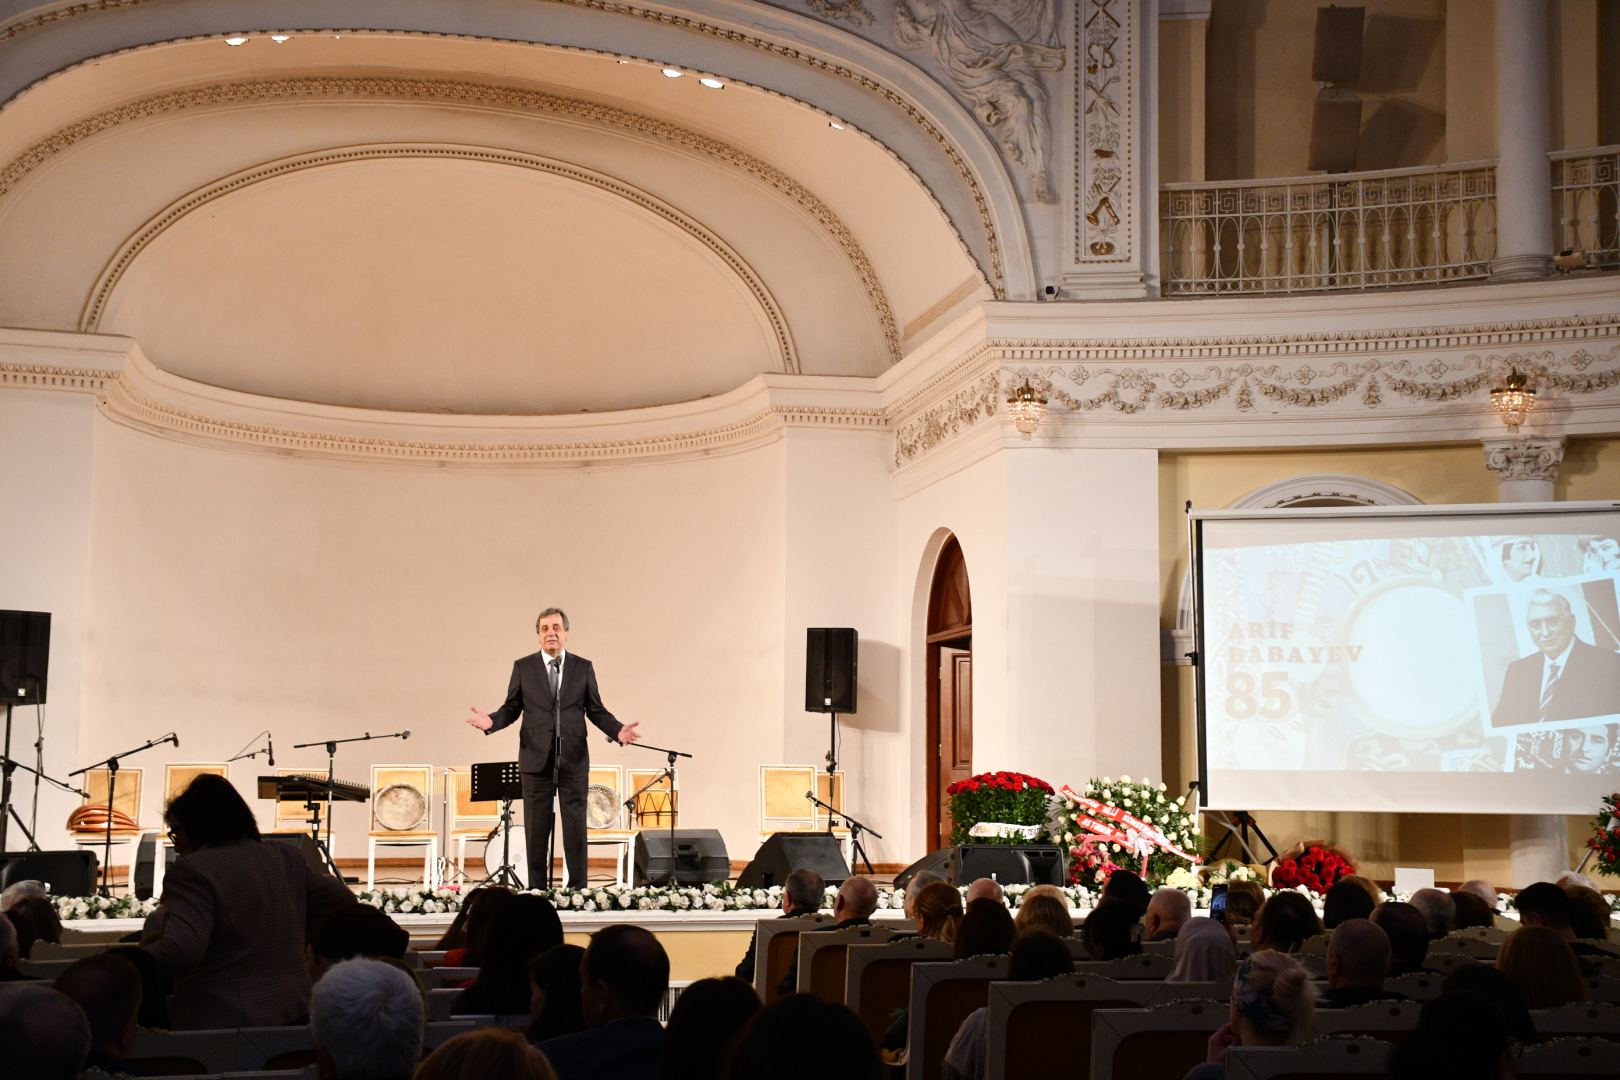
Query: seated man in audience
[[623, 980], [1589, 913], [1472, 911], [18, 890], [801, 895], [108, 988], [853, 906], [1108, 931], [985, 889], [1480, 888], [1167, 913], [1545, 904], [1408, 935], [43, 1035], [355, 930], [1357, 964], [1438, 910], [367, 1022], [9, 956]]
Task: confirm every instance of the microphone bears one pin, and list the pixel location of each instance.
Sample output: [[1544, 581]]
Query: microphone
[[174, 739], [270, 742], [406, 734]]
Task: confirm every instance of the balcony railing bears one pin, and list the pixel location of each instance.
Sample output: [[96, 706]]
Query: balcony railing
[[1317, 233], [1586, 203]]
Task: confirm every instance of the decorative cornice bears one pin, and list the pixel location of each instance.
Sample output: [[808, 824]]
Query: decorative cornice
[[962, 410], [51, 377], [1524, 459]]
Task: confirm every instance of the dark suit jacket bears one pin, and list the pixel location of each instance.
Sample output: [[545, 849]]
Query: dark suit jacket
[[628, 1049], [529, 695], [790, 982], [1588, 686]]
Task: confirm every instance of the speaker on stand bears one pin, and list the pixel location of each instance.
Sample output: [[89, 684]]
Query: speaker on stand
[[829, 686]]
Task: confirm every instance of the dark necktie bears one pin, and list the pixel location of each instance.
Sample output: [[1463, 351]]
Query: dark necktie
[[556, 668], [1547, 691]]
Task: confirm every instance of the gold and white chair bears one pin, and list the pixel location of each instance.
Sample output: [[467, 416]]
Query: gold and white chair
[[605, 818], [469, 820], [401, 801], [177, 776], [87, 825]]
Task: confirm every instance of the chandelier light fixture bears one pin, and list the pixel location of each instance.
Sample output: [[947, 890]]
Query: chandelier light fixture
[[1028, 408], [1514, 399]]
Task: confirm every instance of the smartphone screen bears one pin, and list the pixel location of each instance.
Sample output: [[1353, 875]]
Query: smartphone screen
[[1217, 904]]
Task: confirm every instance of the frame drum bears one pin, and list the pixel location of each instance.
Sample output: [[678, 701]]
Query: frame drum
[[519, 853]]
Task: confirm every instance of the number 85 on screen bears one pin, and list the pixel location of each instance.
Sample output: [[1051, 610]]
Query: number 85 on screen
[[1267, 697]]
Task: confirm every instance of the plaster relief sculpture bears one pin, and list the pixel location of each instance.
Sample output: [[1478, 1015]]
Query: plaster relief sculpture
[[850, 11], [1102, 135], [995, 52]]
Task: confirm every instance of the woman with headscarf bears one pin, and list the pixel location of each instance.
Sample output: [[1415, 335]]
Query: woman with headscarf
[[1204, 953]]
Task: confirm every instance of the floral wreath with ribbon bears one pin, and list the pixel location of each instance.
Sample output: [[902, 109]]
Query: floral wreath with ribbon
[[1106, 824]]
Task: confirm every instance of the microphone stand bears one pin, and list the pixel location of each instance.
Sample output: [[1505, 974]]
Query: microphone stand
[[856, 851], [112, 801], [250, 755], [668, 772], [331, 785], [8, 812]]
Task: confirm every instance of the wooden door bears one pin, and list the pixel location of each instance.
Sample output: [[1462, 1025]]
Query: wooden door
[[955, 728], [948, 754]]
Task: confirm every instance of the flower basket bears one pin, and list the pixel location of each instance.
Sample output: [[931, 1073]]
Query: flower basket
[[1605, 838], [1125, 824], [1315, 864], [1004, 798]]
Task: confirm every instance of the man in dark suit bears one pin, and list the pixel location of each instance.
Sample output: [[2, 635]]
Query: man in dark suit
[[623, 979], [548, 685], [1564, 679], [801, 895]]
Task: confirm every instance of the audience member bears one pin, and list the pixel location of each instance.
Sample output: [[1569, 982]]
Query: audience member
[[1167, 913], [801, 1037], [1345, 900], [10, 956], [1439, 911], [107, 987], [1283, 923], [914, 887], [1589, 913], [1042, 912], [985, 889], [801, 895], [555, 1007], [938, 911], [1482, 889], [986, 930], [235, 916], [1204, 953], [1036, 955], [1408, 936], [623, 979], [525, 927], [1243, 900], [1357, 964], [1574, 879], [356, 930], [486, 1054], [19, 889], [1109, 931], [44, 1034], [704, 1025], [1471, 911], [367, 1022], [1044, 889], [154, 1011], [1543, 966], [36, 920], [480, 908], [1367, 885], [1474, 977], [1272, 1005], [1126, 886], [857, 898], [1545, 904], [1457, 1035]]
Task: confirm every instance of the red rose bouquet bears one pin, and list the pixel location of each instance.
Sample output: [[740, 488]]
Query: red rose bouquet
[[1007, 798], [1313, 864], [1605, 838]]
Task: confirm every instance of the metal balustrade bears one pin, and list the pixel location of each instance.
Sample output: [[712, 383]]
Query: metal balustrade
[[1586, 203]]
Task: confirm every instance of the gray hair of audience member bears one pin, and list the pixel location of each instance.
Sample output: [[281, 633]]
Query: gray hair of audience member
[[45, 1034], [1480, 888], [1205, 952], [17, 890], [804, 889], [1575, 878], [108, 988], [1439, 912], [857, 899], [919, 881], [985, 889], [366, 1019], [8, 943], [1169, 909], [1358, 954]]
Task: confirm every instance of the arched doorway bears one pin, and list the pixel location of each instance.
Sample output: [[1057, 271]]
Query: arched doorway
[[949, 676]]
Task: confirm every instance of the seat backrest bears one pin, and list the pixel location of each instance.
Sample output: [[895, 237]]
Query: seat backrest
[[1443, 964], [1219, 990], [1576, 1057], [447, 978], [1391, 1021], [776, 944], [1578, 1018], [440, 1032], [1323, 1059], [1603, 988], [782, 805], [1471, 942], [1023, 1016], [184, 1051], [1142, 966], [942, 996], [439, 1002], [178, 775], [877, 978], [127, 797], [1315, 945], [822, 958], [1419, 985], [465, 811], [401, 797], [1161, 1040], [275, 1048]]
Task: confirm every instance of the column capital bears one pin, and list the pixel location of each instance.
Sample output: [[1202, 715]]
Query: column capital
[[1524, 459]]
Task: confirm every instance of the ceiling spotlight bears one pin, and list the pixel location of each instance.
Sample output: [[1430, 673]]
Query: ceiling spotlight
[[673, 73], [236, 39], [835, 125], [279, 38], [713, 84]]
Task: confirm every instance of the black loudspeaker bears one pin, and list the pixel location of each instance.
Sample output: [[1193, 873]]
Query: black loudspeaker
[[25, 653], [935, 862], [1009, 864], [783, 853], [68, 873], [1337, 55], [829, 669], [305, 845], [145, 858], [699, 857]]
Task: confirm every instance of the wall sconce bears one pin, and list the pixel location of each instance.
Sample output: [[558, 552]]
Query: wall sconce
[[1514, 399], [1028, 408]]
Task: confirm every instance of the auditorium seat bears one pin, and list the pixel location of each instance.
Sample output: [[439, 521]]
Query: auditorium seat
[[439, 1003], [1315, 945], [1418, 986], [942, 996], [1024, 1017], [1140, 966], [270, 1048], [158, 1052], [1471, 942], [1324, 1059], [1576, 1057], [822, 959], [1391, 1021], [43, 969], [1161, 1040], [424, 959], [775, 947], [1604, 988], [1220, 990], [878, 977], [1579, 1018], [448, 978]]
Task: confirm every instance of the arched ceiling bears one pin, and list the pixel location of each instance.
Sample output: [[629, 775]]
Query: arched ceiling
[[427, 224]]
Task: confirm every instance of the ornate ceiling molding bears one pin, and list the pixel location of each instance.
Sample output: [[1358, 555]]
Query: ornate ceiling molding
[[52, 377], [481, 95]]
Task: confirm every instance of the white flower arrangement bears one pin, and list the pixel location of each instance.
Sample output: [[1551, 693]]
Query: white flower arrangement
[[78, 908]]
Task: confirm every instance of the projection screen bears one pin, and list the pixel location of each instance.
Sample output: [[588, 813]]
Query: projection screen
[[1459, 659]]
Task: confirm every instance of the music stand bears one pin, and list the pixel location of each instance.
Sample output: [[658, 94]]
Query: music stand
[[501, 780]]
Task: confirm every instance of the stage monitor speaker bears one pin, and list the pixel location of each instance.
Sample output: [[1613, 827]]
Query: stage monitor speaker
[[783, 853], [1337, 55], [145, 863], [25, 653], [698, 858], [306, 847], [935, 862], [68, 873], [1009, 864], [829, 669]]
